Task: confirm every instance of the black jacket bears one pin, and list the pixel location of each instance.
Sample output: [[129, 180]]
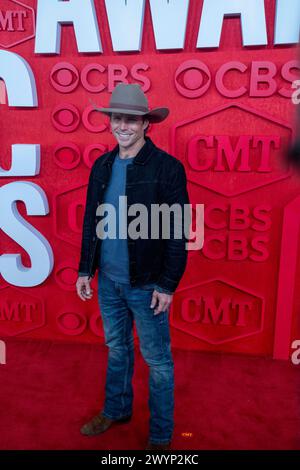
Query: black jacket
[[155, 177]]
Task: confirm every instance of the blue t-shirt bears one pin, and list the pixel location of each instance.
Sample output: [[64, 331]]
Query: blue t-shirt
[[114, 259]]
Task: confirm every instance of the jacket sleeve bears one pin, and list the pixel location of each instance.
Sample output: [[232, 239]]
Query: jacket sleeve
[[160, 289], [87, 229], [175, 252]]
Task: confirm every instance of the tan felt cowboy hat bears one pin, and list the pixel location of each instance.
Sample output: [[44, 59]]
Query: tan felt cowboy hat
[[130, 99]]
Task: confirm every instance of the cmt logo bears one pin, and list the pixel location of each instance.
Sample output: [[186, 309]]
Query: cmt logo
[[208, 310], [233, 156], [217, 311], [246, 145], [17, 311], [19, 316], [12, 20], [17, 23]]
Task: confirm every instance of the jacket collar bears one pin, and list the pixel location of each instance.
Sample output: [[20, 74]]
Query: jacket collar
[[140, 159]]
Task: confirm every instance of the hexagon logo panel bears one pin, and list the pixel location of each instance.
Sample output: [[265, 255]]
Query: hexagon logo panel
[[69, 212], [20, 312], [17, 23], [232, 149], [217, 311]]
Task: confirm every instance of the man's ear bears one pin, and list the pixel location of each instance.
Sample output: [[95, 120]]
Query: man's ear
[[146, 123]]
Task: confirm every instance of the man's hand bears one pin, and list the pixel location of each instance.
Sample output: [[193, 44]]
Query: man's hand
[[163, 300], [83, 288]]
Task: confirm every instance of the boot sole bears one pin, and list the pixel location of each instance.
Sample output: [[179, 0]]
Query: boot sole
[[124, 420]]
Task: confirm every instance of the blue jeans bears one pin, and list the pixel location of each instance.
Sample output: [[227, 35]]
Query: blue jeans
[[120, 306]]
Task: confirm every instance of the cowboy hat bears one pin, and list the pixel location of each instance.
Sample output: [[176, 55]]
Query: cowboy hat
[[130, 99]]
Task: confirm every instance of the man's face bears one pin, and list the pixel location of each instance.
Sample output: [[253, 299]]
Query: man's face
[[128, 129]]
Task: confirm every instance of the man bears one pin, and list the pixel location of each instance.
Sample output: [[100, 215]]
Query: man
[[137, 275]]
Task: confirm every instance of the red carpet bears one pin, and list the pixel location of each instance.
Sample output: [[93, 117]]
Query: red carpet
[[48, 390]]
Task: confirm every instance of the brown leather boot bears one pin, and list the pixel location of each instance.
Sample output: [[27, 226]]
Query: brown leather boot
[[100, 423], [151, 446]]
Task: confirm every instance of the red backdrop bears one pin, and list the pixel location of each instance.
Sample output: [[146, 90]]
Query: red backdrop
[[239, 293]]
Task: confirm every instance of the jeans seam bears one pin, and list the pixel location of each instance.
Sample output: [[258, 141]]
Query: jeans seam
[[127, 366]]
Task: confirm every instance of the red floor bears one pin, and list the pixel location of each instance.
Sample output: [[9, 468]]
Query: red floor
[[48, 390]]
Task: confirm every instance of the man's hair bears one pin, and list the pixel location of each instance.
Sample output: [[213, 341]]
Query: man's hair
[[146, 130]]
